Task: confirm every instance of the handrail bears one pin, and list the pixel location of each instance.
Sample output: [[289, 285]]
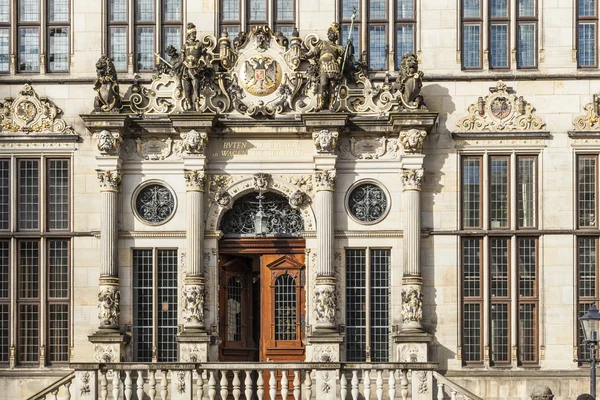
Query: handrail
[[55, 386], [459, 389]]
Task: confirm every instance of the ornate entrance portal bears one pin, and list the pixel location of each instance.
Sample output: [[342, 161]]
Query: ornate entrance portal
[[261, 283]]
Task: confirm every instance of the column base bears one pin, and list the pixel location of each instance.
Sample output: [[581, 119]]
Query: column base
[[109, 345], [325, 348], [412, 304], [193, 345], [325, 303], [193, 302]]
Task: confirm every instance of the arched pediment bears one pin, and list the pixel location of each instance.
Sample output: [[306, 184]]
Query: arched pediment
[[225, 191], [501, 111]]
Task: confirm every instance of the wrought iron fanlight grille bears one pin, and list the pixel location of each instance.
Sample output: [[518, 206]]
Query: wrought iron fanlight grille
[[367, 203], [282, 219]]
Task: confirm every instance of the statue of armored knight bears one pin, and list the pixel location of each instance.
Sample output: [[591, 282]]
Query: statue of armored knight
[[193, 68], [327, 56]]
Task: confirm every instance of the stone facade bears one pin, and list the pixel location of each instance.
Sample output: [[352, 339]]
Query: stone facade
[[418, 166]]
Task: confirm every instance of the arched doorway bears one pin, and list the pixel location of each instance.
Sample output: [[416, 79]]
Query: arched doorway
[[261, 282]]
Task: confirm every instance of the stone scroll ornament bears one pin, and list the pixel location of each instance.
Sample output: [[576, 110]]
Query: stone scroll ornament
[[108, 98], [325, 304], [262, 73], [590, 121], [325, 141], [412, 305], [108, 306], [30, 113], [192, 300], [501, 111]]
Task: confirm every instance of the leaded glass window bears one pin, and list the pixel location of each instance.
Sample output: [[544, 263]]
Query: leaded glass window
[[587, 283], [154, 203], [472, 300], [587, 27], [234, 309], [29, 50], [587, 190], [499, 192], [367, 203], [4, 36], [471, 192], [282, 219], [526, 191], [285, 308]]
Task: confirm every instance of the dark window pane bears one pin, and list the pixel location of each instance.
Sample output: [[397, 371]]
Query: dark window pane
[[377, 47], [498, 8], [29, 10], [4, 46], [499, 192], [117, 11], [58, 194], [406, 9], [526, 191], [167, 305], [29, 50], [405, 40], [4, 194], [380, 305], [285, 10], [500, 333], [29, 333], [4, 11], [231, 12], [587, 8], [29, 194], [29, 269], [58, 57], [58, 269], [499, 267], [527, 8], [172, 10], [348, 7], [587, 45], [58, 333], [527, 267], [471, 192], [587, 267], [586, 174], [144, 10], [499, 46], [142, 305], [526, 45], [471, 332], [378, 9], [257, 10], [286, 310], [4, 269], [472, 8], [527, 333], [471, 268], [4, 332], [356, 318]]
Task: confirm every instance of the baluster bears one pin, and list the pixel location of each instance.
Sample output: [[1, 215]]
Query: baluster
[[453, 394], [367, 384], [236, 385], [296, 385], [343, 386], [440, 392], [200, 384], [103, 385], [212, 386], [308, 385], [224, 385], [404, 384], [272, 384], [140, 384], [354, 383], [379, 389], [68, 387], [128, 384], [392, 385], [284, 385], [116, 384], [152, 384], [260, 382], [248, 384], [54, 394], [163, 385]]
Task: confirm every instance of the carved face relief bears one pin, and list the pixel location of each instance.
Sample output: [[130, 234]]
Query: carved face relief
[[106, 141]]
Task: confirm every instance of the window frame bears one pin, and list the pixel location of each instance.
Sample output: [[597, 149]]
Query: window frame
[[527, 20], [29, 25], [378, 22], [116, 25], [462, 196], [360, 52], [534, 300], [7, 301], [58, 300], [500, 21], [400, 22], [535, 189], [7, 26], [578, 201], [368, 298], [256, 22], [501, 300], [509, 207], [471, 21], [58, 25], [283, 23], [586, 20], [477, 300]]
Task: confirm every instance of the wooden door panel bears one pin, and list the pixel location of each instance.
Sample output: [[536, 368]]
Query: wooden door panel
[[283, 305]]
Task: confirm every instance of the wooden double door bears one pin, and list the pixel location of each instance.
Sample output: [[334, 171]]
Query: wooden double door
[[262, 299]]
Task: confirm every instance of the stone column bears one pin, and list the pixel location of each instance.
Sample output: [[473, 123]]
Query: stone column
[[109, 294], [412, 296], [193, 312], [325, 293]]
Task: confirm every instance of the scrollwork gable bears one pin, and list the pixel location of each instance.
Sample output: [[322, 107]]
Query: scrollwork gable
[[501, 112], [32, 115]]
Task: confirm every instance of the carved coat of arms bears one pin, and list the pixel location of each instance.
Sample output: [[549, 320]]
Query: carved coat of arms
[[261, 75]]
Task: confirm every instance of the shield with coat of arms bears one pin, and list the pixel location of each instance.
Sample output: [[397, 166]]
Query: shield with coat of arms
[[261, 75]]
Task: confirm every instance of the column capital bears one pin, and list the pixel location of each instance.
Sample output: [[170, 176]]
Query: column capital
[[110, 180], [194, 180], [325, 180], [411, 179]]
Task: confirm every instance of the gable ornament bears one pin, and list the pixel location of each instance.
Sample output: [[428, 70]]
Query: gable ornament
[[501, 111], [30, 113], [590, 121]]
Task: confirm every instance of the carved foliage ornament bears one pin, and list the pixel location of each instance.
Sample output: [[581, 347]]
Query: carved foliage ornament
[[325, 140], [29, 112], [412, 178], [325, 180], [192, 300], [591, 120], [501, 111], [412, 305], [194, 179], [110, 180], [325, 304], [108, 306]]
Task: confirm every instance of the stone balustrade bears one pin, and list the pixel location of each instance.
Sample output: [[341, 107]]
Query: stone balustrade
[[447, 389], [222, 380]]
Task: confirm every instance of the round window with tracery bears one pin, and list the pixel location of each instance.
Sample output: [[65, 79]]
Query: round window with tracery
[[367, 203], [154, 203]]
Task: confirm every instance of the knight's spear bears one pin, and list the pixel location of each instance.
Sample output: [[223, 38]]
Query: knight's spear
[[163, 60], [352, 18]]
